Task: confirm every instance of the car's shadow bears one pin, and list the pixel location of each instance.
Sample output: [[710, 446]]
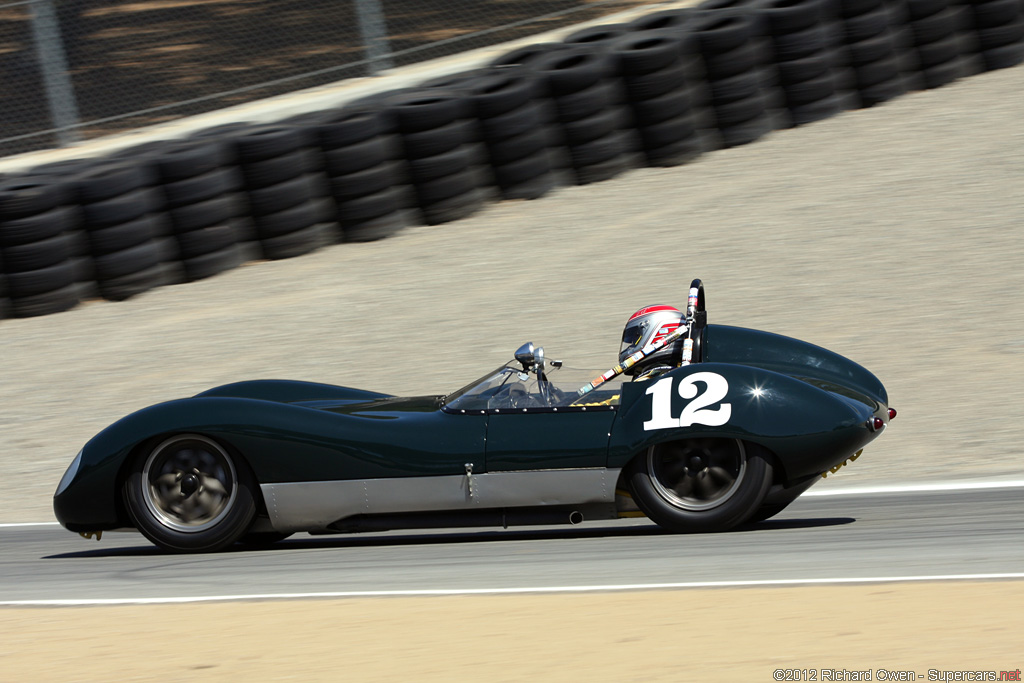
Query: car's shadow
[[440, 537]]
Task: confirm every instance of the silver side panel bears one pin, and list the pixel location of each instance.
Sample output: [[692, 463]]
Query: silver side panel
[[316, 504]]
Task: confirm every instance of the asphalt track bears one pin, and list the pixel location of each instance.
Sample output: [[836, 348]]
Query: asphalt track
[[823, 539]]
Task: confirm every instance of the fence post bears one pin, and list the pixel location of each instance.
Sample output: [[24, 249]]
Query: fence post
[[59, 93], [374, 33]]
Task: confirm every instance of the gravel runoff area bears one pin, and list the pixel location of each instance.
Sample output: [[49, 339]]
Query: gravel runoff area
[[891, 235], [816, 633]]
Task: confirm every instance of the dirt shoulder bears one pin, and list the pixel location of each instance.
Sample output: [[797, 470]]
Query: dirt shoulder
[[693, 635]]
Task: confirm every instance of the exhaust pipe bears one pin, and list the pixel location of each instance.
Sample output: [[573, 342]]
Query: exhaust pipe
[[575, 517]]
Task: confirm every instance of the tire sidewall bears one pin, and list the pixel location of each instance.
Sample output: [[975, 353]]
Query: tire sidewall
[[225, 532], [739, 507]]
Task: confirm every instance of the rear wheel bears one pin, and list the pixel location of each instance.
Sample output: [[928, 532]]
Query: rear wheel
[[189, 494], [767, 511], [701, 484]]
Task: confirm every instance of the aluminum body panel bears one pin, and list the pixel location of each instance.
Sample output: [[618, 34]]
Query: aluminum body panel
[[316, 504]]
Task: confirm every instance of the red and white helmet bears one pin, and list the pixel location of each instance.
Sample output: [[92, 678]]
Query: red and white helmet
[[650, 324]]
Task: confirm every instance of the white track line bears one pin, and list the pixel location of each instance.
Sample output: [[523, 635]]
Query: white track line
[[933, 487], [764, 583], [827, 491]]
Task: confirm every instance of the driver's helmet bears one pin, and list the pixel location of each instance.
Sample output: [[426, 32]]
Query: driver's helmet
[[647, 325]]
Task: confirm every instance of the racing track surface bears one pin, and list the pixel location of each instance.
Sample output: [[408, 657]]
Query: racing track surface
[[824, 537]]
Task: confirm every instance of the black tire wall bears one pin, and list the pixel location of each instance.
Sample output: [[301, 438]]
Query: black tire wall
[[659, 91]]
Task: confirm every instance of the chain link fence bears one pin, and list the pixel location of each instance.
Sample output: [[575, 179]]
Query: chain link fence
[[77, 69]]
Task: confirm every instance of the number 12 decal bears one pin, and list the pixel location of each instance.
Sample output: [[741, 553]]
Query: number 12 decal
[[696, 411]]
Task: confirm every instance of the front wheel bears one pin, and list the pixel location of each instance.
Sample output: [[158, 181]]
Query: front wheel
[[189, 494], [701, 484]]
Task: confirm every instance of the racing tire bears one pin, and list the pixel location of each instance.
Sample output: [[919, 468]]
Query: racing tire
[[190, 494], [767, 511], [673, 483]]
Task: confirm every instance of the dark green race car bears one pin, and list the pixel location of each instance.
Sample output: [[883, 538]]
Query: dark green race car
[[732, 437]]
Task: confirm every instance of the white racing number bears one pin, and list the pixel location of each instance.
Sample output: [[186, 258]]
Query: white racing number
[[696, 412]]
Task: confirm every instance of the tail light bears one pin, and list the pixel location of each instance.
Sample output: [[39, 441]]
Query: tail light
[[892, 413]]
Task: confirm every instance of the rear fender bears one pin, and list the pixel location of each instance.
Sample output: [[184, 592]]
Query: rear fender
[[808, 428]]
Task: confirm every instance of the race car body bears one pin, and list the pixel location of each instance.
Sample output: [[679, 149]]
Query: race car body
[[732, 437]]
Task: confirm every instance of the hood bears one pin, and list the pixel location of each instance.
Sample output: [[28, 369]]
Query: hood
[[289, 391]]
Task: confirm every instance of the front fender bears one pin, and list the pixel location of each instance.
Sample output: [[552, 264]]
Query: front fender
[[90, 500], [807, 426]]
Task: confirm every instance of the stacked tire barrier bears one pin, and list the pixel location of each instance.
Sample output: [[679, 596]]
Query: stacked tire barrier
[[438, 136], [198, 195], [734, 62], [806, 56], [999, 26], [934, 40], [658, 91], [119, 206], [870, 51], [654, 69], [515, 132], [585, 94], [36, 248], [362, 174], [284, 186]]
